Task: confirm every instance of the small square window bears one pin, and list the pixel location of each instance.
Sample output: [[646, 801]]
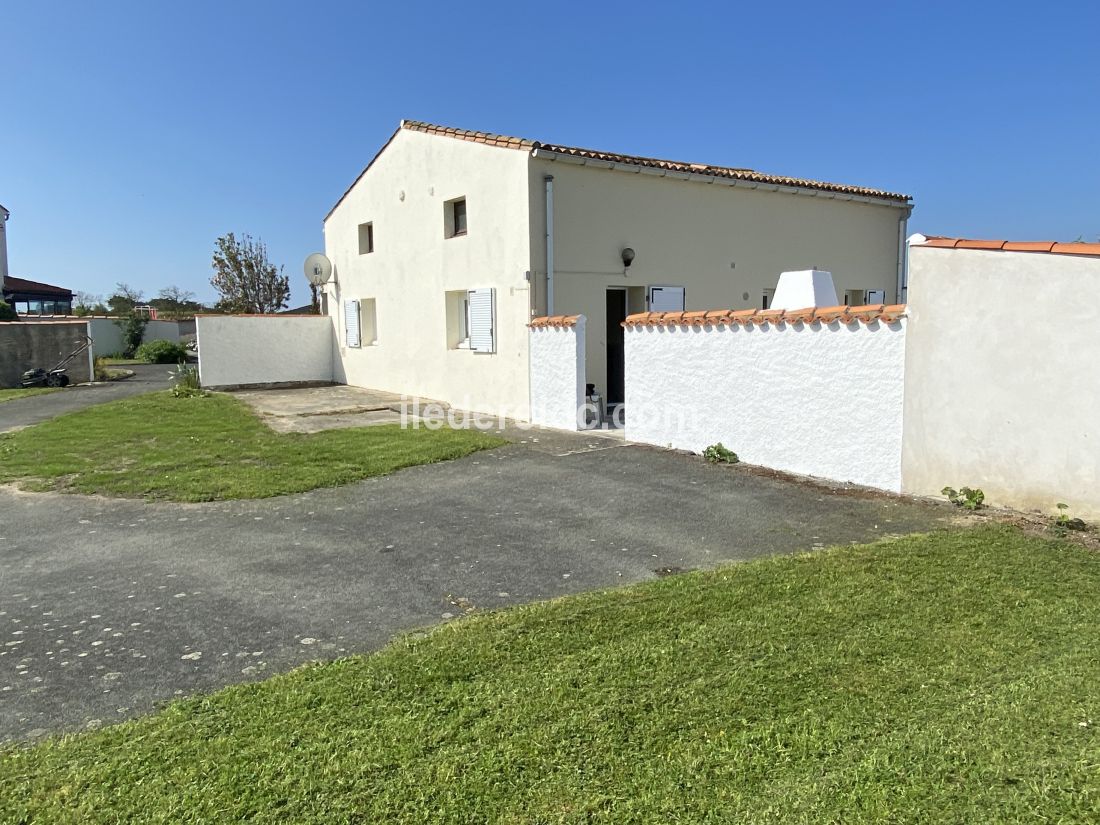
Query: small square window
[[454, 218], [366, 238]]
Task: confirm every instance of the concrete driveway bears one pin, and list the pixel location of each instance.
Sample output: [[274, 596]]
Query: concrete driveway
[[109, 608], [23, 412]]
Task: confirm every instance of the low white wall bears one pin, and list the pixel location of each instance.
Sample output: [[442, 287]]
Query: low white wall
[[1001, 388], [107, 335], [557, 371], [239, 350], [820, 399]]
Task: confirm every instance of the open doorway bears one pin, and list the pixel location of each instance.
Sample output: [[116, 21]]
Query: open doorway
[[616, 353]]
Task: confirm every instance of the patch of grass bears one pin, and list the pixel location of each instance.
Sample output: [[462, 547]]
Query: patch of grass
[[951, 677], [25, 392], [119, 361], [202, 449]]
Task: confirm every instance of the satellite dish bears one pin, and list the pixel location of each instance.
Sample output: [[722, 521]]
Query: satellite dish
[[318, 268]]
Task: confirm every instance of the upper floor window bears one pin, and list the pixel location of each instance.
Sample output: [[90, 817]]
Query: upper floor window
[[366, 238], [454, 217]]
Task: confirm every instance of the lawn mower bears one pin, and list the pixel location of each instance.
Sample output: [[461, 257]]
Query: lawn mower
[[56, 376]]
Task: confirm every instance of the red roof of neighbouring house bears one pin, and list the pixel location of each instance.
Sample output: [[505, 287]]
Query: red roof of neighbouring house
[[1052, 247], [23, 285]]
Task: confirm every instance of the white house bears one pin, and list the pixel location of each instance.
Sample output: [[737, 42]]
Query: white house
[[450, 241]]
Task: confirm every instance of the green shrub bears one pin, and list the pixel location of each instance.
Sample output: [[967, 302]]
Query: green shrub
[[133, 330], [161, 352], [101, 371], [720, 454], [187, 383], [967, 498], [7, 313]]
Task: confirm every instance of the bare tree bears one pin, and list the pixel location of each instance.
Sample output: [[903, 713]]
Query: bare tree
[[245, 278], [125, 298], [84, 303], [175, 299]]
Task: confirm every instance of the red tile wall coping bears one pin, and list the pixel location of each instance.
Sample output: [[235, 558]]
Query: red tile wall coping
[[1052, 247], [554, 321], [258, 315], [745, 317]]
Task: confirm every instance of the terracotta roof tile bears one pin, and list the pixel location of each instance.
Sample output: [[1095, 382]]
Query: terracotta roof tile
[[534, 146], [1053, 247], [748, 317], [554, 321]]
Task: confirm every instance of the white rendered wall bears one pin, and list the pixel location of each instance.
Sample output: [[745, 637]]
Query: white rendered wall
[[557, 375], [414, 266], [815, 399], [107, 336], [239, 350], [725, 245], [1001, 377]]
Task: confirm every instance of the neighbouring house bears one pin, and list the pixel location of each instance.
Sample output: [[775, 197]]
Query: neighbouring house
[[35, 298], [450, 242]]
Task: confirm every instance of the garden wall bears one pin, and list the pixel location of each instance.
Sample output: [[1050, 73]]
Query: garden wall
[[24, 346], [557, 371], [1001, 389], [250, 350], [817, 392]]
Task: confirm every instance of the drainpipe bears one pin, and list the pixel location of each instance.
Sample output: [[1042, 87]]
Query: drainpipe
[[903, 247], [549, 181]]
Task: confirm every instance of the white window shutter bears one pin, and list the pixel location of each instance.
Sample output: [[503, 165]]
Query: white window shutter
[[351, 323], [666, 299], [482, 320]]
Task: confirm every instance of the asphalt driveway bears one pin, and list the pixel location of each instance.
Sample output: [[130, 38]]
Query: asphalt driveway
[[109, 608], [22, 412]]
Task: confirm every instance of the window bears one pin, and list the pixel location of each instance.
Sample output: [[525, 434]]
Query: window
[[454, 218], [857, 297], [368, 322], [666, 299], [767, 298], [458, 319], [876, 296], [366, 238], [360, 323], [471, 320]]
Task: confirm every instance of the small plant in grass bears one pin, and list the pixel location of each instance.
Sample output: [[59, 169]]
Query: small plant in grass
[[161, 352], [969, 498], [187, 383], [1063, 522], [101, 371], [720, 454]]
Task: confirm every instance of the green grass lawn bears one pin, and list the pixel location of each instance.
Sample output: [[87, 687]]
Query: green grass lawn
[[202, 449], [120, 362], [25, 392], [953, 677]]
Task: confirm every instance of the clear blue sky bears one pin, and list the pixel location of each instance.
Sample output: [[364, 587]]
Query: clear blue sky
[[133, 134]]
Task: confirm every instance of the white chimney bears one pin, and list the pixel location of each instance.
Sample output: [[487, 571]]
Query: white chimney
[[808, 288]]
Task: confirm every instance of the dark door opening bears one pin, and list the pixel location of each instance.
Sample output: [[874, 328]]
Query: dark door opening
[[616, 378]]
